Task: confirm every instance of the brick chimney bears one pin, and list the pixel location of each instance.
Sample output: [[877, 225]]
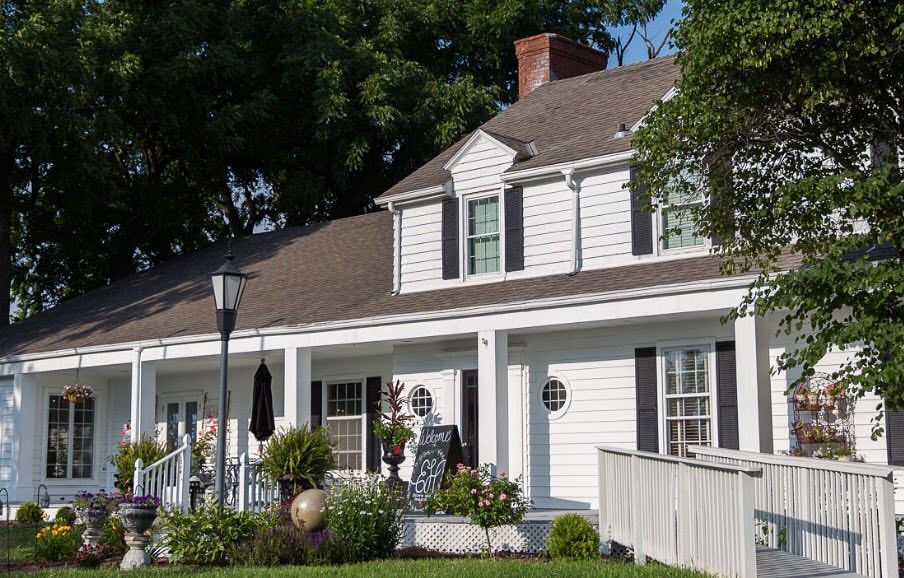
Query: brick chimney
[[546, 57]]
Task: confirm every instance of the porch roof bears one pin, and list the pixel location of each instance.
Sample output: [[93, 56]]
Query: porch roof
[[335, 271]]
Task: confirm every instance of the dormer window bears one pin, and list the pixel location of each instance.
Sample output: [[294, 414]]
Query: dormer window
[[483, 235], [678, 223]]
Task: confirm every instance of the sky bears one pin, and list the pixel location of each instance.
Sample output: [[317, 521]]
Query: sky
[[637, 51]]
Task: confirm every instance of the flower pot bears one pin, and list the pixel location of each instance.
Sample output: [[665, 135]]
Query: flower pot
[[137, 520], [393, 455], [93, 519]]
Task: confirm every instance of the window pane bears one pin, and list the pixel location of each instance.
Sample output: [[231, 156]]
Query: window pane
[[83, 439], [57, 437], [191, 416], [483, 236], [345, 435], [483, 255], [483, 216], [679, 217], [688, 408], [173, 417]]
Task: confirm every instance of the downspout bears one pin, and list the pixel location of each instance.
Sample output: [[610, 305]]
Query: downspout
[[575, 220], [396, 248]]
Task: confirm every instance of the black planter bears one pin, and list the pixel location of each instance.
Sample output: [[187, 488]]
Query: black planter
[[393, 455]]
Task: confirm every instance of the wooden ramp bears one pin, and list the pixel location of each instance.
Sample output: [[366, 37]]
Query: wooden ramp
[[778, 564]]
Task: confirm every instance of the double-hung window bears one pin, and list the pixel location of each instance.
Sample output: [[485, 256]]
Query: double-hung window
[[345, 420], [70, 438], [678, 223], [688, 398], [483, 235]]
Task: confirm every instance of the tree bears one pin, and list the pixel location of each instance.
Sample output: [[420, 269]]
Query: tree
[[638, 14], [790, 116]]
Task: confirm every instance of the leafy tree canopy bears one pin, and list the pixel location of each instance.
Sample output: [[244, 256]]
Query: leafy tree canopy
[[131, 130], [790, 112]]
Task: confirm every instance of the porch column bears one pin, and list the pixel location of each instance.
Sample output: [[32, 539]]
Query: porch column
[[754, 396], [144, 397], [26, 400], [492, 398], [297, 386]]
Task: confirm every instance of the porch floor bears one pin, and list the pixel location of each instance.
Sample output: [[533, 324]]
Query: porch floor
[[779, 564]]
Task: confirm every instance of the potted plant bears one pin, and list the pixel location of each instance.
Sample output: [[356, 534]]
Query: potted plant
[[78, 392], [297, 459], [137, 514], [92, 511], [146, 448], [394, 429]]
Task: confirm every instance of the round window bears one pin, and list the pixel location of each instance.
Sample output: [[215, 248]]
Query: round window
[[554, 395], [421, 401]]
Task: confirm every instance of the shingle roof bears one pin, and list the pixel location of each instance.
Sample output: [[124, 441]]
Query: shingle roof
[[341, 270], [568, 119]]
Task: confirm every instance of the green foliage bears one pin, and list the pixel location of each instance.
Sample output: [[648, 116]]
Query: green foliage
[[395, 425], [209, 535], [29, 513], [57, 542], [146, 448], [788, 114], [281, 543], [65, 516], [113, 536], [487, 501], [298, 455], [365, 517], [573, 537]]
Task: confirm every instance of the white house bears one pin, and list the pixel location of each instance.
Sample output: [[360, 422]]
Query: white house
[[513, 283]]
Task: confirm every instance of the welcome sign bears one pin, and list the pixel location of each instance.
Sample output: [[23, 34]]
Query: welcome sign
[[438, 451]]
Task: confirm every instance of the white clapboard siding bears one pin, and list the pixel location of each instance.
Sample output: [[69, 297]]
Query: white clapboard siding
[[605, 219], [421, 246], [7, 432]]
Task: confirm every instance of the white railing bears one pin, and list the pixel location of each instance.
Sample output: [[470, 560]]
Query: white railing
[[256, 492], [167, 478], [837, 513], [678, 511]]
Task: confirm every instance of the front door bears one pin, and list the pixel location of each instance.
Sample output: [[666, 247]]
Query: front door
[[469, 417], [178, 415]]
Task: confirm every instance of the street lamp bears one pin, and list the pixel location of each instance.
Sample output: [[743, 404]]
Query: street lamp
[[228, 286]]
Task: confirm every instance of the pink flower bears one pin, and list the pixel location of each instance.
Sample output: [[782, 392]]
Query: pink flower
[[503, 497], [502, 474]]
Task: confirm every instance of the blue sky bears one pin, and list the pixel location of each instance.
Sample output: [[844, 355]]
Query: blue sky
[[637, 51]]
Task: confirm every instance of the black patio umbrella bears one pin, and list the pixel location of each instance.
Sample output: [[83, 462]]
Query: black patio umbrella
[[262, 422]]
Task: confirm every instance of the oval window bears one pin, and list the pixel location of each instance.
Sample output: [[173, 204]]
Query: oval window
[[554, 395], [421, 401]]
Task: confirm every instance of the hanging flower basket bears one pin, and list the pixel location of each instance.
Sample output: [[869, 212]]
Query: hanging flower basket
[[78, 392]]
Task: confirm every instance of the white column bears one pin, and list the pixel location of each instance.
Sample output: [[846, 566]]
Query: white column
[[27, 400], [516, 400], [144, 397], [297, 386], [492, 398], [752, 367]]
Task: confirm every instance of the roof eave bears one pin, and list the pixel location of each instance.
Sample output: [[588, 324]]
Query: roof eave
[[427, 193]]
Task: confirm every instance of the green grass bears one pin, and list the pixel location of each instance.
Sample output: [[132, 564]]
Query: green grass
[[21, 542], [470, 568]]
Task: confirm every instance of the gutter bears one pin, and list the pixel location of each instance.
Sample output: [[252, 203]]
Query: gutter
[[396, 248], [578, 165], [575, 220]]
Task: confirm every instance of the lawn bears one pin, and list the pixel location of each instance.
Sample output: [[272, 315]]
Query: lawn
[[470, 568], [21, 542]]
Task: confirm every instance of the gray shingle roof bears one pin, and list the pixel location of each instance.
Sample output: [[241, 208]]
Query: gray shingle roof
[[567, 120]]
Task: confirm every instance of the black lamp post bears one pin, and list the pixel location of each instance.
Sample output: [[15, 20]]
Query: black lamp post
[[228, 286]]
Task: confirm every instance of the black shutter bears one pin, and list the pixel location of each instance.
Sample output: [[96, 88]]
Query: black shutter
[[514, 229], [894, 436], [450, 239], [641, 221], [727, 394], [316, 404], [647, 399], [372, 397]]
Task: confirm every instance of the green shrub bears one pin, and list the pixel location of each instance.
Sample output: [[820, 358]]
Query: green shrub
[[30, 513], [146, 448], [365, 517], [113, 536], [298, 456], [57, 542], [210, 536], [573, 537], [65, 516], [487, 501], [281, 543]]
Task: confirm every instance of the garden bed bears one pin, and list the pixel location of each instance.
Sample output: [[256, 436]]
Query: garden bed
[[472, 568]]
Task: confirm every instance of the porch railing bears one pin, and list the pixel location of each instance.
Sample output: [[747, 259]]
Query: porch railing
[[837, 513], [679, 511], [256, 492], [167, 478]]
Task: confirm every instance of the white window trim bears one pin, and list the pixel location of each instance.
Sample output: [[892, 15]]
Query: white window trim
[[661, 348], [432, 402], [463, 235], [703, 247], [324, 397], [559, 413], [95, 478]]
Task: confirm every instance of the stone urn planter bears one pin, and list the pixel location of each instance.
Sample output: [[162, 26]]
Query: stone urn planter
[[137, 517], [93, 519], [393, 455]]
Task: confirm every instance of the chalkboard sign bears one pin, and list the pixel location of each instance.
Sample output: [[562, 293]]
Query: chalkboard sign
[[438, 451]]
